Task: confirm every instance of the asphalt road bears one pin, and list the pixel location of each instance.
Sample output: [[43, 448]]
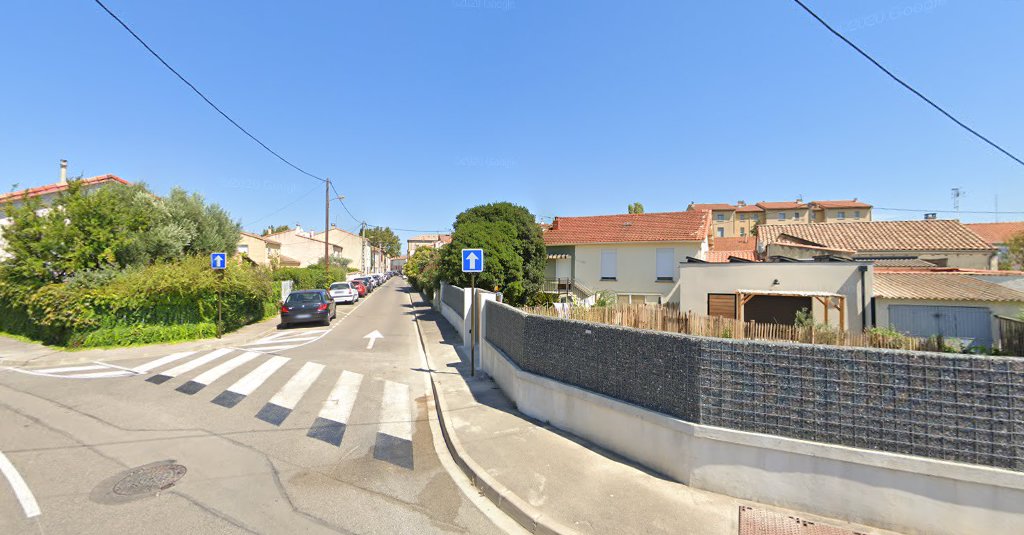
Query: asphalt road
[[307, 431]]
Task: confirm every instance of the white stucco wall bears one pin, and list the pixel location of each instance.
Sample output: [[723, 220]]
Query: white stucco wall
[[696, 281], [636, 270]]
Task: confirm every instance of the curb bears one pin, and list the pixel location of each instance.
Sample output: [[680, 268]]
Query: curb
[[511, 504]]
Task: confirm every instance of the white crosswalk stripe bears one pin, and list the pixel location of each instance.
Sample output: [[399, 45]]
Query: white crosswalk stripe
[[189, 366], [152, 365], [396, 411], [333, 418], [211, 375], [248, 384], [281, 405]]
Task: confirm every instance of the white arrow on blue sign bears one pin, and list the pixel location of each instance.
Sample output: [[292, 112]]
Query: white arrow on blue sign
[[472, 260], [218, 260]]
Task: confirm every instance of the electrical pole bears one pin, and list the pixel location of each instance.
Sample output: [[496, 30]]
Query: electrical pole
[[327, 225]]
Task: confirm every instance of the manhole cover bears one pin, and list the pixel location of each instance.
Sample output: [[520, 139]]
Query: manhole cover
[[762, 522], [149, 479]]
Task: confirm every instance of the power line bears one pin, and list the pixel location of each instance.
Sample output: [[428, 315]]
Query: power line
[[281, 209], [906, 85], [201, 95]]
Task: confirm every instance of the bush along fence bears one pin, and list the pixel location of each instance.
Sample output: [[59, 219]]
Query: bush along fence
[[671, 319], [960, 408]]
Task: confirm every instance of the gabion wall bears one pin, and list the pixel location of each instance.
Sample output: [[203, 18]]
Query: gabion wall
[[953, 407], [453, 296]]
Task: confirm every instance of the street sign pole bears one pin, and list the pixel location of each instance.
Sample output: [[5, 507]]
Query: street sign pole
[[218, 263], [472, 327]]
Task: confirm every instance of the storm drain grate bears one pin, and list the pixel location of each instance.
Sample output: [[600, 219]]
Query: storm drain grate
[[762, 522], [149, 479]]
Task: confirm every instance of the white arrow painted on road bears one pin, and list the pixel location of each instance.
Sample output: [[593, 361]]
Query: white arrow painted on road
[[373, 338], [472, 257]]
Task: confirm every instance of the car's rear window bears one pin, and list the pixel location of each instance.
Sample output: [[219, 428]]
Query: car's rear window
[[341, 286], [298, 298]]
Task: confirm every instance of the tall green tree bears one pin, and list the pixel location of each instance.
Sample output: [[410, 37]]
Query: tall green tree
[[1014, 257], [513, 248], [383, 238], [274, 229], [635, 208]]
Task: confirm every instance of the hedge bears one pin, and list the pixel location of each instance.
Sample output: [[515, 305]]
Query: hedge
[[176, 293], [142, 334], [311, 277]]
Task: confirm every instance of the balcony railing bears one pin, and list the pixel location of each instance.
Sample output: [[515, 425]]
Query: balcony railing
[[568, 287]]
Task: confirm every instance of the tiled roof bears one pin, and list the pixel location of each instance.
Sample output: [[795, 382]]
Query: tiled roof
[[940, 286], [714, 206], [624, 228], [901, 263], [58, 187], [782, 205], [432, 238], [733, 244], [919, 235], [721, 257], [749, 208], [288, 261], [997, 232], [853, 203], [261, 238]]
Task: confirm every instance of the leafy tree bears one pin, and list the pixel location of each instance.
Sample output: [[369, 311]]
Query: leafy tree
[[383, 238], [274, 229], [1014, 258], [636, 208], [422, 269], [207, 228], [513, 247]]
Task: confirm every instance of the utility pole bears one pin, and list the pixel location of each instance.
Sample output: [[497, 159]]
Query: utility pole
[[327, 225]]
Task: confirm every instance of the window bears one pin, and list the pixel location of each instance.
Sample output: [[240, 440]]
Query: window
[[782, 216], [856, 214], [720, 217], [721, 232], [796, 215], [743, 217], [609, 259], [243, 248], [840, 215], [743, 231], [666, 262]]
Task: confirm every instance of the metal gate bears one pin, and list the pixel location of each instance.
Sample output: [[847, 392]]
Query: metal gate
[[973, 325]]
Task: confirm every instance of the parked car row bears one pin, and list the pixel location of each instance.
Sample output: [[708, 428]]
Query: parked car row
[[304, 306]]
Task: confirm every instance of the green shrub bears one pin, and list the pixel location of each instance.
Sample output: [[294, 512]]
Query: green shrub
[[311, 277], [142, 334]]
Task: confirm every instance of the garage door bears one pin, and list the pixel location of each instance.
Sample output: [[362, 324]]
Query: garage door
[[969, 323]]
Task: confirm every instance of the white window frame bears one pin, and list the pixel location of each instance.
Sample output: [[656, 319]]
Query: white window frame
[[743, 231], [856, 214], [782, 216], [243, 248], [840, 215], [609, 264], [720, 217], [664, 263], [721, 232]]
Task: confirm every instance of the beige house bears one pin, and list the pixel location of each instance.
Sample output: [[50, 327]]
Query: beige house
[[739, 220], [301, 247], [953, 304], [353, 247], [426, 240], [261, 250], [836, 293], [47, 193], [632, 255]]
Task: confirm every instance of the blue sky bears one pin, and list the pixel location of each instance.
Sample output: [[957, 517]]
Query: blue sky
[[420, 109]]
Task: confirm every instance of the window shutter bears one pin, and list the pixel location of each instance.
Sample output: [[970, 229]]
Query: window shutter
[[666, 262], [609, 259]]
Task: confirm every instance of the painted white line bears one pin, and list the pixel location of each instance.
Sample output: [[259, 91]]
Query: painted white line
[[21, 490], [211, 375], [290, 394], [152, 365], [373, 338], [115, 366], [339, 404], [396, 411], [197, 362], [73, 376], [271, 348], [264, 342], [71, 369], [248, 384]]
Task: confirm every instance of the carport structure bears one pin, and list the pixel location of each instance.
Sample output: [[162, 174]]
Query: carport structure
[[828, 300]]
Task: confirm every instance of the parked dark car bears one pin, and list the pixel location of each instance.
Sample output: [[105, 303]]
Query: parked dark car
[[359, 286], [304, 306], [366, 281]]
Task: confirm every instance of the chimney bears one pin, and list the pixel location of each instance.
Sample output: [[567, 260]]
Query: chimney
[[298, 229], [741, 203], [63, 171]]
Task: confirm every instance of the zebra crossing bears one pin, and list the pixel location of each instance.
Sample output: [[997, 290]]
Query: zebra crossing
[[287, 340], [84, 371], [393, 442]]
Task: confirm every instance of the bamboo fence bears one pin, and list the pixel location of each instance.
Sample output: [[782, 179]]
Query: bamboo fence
[[671, 319]]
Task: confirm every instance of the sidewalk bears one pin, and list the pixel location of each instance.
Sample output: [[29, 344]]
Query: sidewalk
[[18, 354], [553, 482]]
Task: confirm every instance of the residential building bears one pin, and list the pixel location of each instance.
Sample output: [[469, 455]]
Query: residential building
[[998, 234], [739, 220], [732, 249], [46, 194], [303, 248], [954, 304], [944, 243], [426, 240], [835, 293], [259, 249], [633, 255], [398, 262], [353, 247]]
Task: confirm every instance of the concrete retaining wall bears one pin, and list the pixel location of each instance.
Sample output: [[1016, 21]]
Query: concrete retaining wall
[[887, 490], [455, 304]]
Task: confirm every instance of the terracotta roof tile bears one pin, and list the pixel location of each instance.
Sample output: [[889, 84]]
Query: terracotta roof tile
[[622, 228], [432, 237], [782, 205], [733, 244], [997, 232], [853, 203], [940, 286], [721, 257], [919, 235], [749, 208], [58, 187], [713, 206]]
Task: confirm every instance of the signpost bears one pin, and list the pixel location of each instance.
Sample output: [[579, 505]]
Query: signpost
[[472, 263], [219, 261]]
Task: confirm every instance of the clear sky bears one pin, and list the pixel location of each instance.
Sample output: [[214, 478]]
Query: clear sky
[[420, 109]]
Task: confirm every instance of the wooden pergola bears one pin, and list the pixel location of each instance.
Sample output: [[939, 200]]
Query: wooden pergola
[[825, 298]]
